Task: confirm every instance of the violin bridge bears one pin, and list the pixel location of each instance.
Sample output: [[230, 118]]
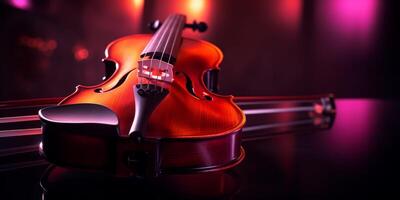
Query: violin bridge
[[155, 69]]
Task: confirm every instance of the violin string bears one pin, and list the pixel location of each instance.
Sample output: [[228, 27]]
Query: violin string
[[173, 43], [142, 58], [149, 46], [173, 20], [176, 22], [158, 44]]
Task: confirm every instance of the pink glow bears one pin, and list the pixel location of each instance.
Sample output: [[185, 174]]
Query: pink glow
[[355, 14], [21, 4], [354, 125], [352, 19]]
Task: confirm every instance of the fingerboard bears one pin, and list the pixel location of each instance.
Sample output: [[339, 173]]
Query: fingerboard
[[165, 43]]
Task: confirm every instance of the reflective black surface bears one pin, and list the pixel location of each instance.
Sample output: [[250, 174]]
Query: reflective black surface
[[354, 159]]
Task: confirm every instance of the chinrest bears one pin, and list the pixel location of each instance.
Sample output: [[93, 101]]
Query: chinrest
[[81, 135]]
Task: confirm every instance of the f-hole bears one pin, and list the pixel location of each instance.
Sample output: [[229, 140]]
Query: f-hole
[[122, 80], [110, 68], [189, 84]]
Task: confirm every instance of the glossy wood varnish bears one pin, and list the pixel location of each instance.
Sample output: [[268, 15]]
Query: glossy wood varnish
[[180, 114], [191, 130]]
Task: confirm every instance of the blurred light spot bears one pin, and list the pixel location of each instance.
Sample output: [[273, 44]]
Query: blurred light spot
[[138, 3], [355, 14], [196, 7], [289, 12], [80, 53], [40, 44], [317, 121], [351, 19], [136, 10], [51, 44], [318, 108], [20, 4]]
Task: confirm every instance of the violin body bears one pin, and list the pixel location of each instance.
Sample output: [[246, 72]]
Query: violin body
[[181, 114], [191, 130]]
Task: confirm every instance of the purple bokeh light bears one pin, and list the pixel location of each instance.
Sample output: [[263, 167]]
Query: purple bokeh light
[[20, 4]]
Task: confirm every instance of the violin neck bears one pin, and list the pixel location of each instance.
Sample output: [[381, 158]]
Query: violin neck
[[165, 43]]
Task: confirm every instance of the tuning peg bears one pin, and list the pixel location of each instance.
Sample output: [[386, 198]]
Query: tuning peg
[[201, 26], [155, 25]]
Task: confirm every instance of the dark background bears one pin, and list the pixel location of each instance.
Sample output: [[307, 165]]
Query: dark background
[[274, 47]]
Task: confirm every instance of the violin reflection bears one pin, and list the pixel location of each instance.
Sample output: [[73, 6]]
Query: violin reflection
[[63, 183]]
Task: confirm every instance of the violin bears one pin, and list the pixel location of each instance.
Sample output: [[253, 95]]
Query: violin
[[156, 112]]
